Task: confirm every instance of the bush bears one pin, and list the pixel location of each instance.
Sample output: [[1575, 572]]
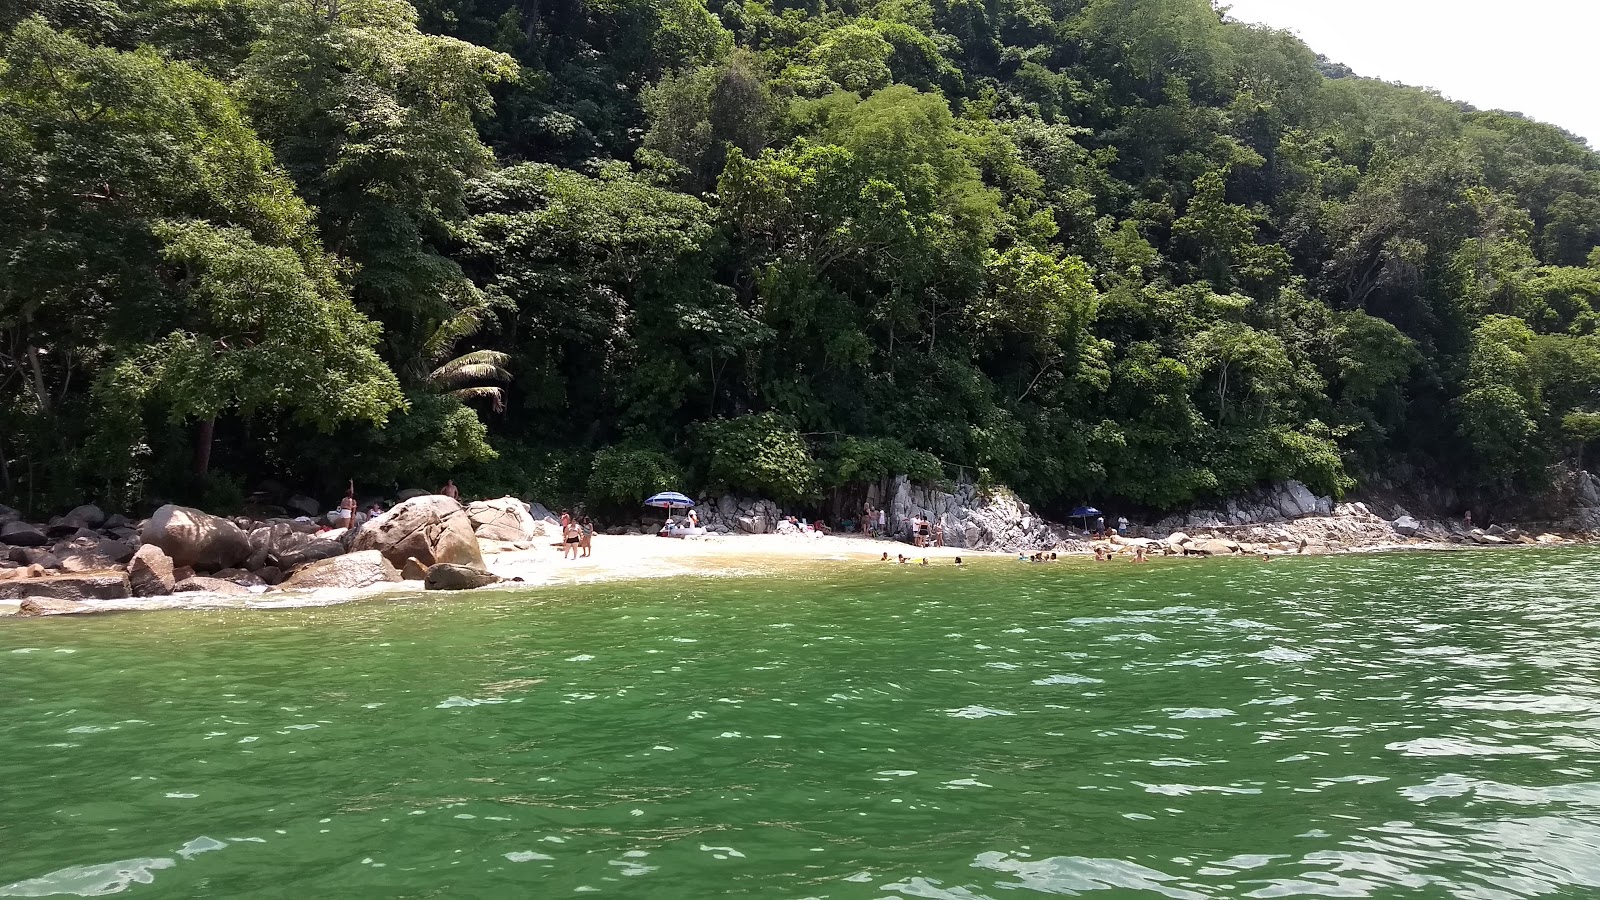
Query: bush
[[625, 476], [860, 460], [762, 454]]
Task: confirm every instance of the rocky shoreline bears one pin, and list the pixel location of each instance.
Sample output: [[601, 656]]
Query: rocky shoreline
[[86, 561], [86, 556]]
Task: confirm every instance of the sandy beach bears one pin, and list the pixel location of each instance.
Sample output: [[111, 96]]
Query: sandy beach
[[618, 557]]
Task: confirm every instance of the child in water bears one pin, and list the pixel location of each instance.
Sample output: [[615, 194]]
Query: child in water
[[958, 561]]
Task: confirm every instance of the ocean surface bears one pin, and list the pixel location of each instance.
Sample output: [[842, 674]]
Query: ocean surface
[[1383, 726]]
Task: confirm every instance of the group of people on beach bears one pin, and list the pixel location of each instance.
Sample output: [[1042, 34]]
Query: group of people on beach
[[577, 536]]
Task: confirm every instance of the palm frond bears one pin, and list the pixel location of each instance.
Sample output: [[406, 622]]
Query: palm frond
[[479, 365], [496, 396]]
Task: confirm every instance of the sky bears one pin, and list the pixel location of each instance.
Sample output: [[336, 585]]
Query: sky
[[1535, 57]]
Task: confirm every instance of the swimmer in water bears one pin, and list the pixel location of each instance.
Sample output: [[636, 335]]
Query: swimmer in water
[[958, 560], [885, 556]]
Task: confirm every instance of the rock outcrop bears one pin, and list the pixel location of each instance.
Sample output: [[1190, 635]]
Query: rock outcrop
[[192, 538], [506, 519], [449, 577], [968, 517], [353, 570], [434, 529]]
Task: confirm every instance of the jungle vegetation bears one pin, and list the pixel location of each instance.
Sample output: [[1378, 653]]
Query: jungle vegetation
[[586, 249]]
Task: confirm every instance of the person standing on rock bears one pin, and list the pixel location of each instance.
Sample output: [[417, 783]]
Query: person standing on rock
[[348, 506], [450, 490]]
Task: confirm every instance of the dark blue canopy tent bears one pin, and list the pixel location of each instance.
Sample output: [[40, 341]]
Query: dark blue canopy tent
[[1085, 513]]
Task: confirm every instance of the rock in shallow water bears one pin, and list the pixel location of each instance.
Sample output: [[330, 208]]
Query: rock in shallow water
[[447, 577]]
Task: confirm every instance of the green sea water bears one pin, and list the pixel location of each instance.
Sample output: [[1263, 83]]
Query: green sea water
[[1385, 726]]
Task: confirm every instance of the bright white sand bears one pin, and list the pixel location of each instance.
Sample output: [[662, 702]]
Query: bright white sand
[[618, 557]]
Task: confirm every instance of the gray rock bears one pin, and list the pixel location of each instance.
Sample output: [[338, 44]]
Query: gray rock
[[287, 547], [117, 521], [200, 584], [87, 516], [92, 554], [102, 586], [46, 606], [21, 534], [353, 570], [413, 571], [7, 514], [505, 519], [301, 505], [1407, 525], [240, 577], [35, 556], [449, 577], [434, 529], [150, 572], [412, 493], [192, 538]]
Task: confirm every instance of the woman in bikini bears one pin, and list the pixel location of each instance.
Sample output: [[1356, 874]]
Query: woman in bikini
[[572, 533]]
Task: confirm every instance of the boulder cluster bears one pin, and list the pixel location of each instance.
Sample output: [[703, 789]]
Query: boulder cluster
[[87, 555]]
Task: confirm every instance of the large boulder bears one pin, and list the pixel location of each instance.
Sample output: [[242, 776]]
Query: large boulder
[[150, 572], [448, 577], [505, 519], [101, 586], [192, 538], [286, 547], [7, 514], [1407, 526], [413, 571], [353, 570], [87, 516], [752, 524], [434, 529], [21, 534]]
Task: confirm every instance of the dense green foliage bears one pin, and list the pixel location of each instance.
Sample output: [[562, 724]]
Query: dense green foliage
[[1119, 249]]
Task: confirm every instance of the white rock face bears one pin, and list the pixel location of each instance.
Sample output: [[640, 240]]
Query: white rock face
[[505, 519], [970, 519]]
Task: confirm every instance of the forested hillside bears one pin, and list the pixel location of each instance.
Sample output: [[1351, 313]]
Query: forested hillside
[[1108, 249]]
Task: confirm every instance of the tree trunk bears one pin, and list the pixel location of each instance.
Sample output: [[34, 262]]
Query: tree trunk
[[38, 380], [202, 446]]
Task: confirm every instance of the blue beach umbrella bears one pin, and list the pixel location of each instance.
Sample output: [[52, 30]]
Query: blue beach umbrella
[[669, 499]]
